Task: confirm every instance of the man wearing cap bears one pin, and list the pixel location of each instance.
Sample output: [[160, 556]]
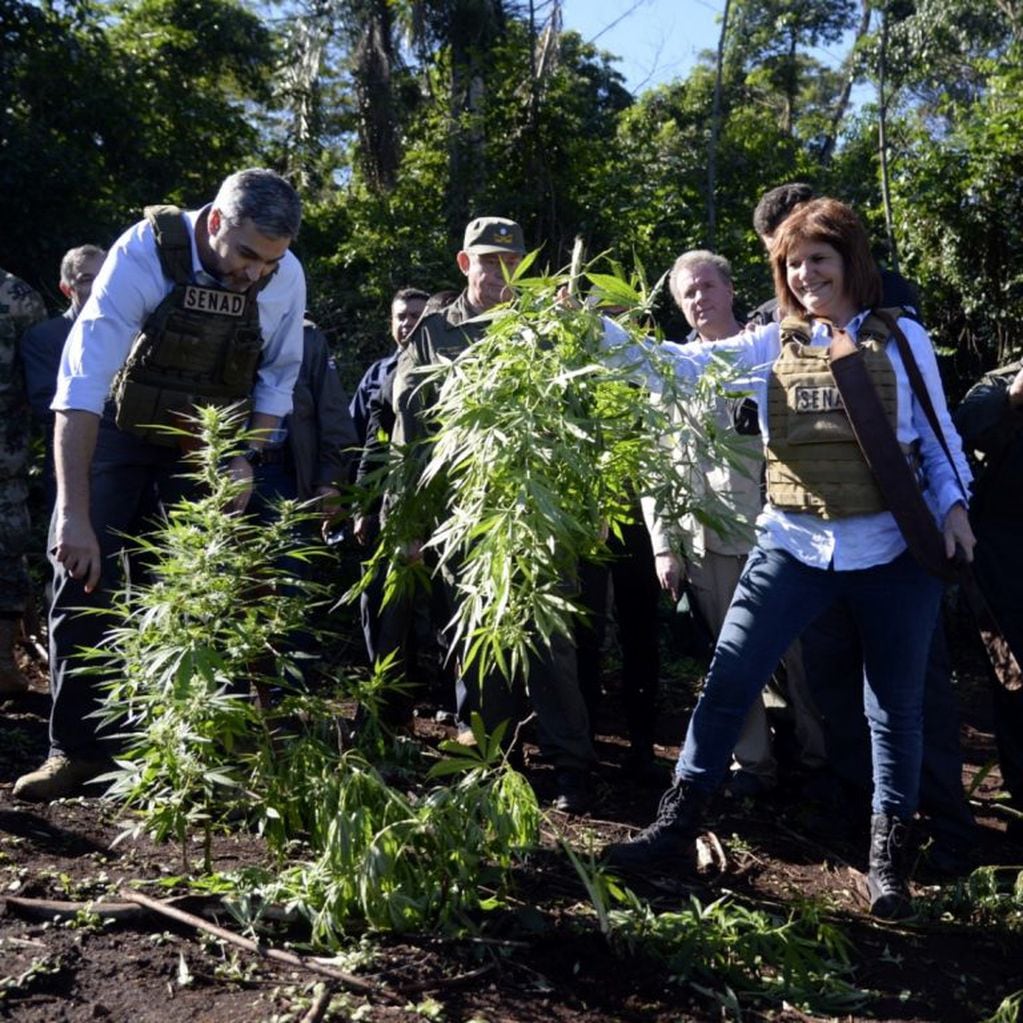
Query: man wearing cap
[[492, 248]]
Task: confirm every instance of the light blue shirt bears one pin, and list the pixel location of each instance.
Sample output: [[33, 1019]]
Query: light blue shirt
[[854, 542], [129, 288]]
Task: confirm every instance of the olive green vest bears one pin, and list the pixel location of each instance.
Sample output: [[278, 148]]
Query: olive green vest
[[814, 463], [200, 346]]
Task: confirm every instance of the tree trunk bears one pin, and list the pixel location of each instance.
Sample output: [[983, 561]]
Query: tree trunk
[[842, 104], [882, 141], [715, 134], [374, 57], [471, 34], [791, 85]]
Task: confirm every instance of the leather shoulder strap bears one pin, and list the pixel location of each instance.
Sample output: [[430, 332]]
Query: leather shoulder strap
[[916, 381], [795, 328], [881, 449]]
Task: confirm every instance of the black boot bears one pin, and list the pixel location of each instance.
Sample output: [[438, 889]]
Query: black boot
[[886, 882], [670, 836]]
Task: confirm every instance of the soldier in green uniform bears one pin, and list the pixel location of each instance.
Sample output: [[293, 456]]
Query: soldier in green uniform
[[20, 308], [491, 249]]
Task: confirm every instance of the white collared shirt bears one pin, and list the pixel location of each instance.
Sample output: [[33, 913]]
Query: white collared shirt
[[857, 541], [129, 288]]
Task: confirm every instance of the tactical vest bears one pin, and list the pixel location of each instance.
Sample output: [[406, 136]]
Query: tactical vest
[[200, 346], [814, 463]]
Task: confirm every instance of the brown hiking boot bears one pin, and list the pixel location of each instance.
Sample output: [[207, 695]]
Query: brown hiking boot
[[58, 777], [12, 681]]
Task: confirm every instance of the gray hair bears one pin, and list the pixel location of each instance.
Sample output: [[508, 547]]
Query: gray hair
[[693, 258], [263, 197], [73, 259]]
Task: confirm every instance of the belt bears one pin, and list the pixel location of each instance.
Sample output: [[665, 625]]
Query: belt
[[274, 455]]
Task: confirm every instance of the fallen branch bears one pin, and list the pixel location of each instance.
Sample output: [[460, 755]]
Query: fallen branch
[[137, 906], [320, 1005], [446, 982], [50, 909], [276, 954]]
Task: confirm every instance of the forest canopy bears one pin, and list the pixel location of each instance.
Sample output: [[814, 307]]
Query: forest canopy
[[399, 120]]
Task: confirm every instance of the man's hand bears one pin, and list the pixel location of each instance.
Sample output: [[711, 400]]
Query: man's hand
[[669, 572], [365, 528], [241, 472], [958, 532], [329, 500], [77, 549]]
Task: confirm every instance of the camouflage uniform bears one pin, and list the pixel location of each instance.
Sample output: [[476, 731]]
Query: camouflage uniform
[[20, 308]]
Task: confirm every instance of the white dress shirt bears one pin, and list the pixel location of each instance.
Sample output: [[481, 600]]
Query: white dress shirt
[[129, 288], [853, 542]]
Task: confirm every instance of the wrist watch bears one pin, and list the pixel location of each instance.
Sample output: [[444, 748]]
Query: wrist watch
[[254, 456]]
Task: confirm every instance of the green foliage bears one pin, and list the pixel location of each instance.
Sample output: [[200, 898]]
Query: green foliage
[[400, 861], [1008, 1010], [188, 139], [192, 643], [105, 108], [728, 952], [200, 753], [540, 448], [991, 897], [960, 217], [744, 953]]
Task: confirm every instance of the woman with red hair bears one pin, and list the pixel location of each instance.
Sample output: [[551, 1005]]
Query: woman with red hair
[[825, 534]]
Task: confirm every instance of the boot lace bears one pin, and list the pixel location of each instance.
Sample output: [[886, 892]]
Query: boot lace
[[886, 869]]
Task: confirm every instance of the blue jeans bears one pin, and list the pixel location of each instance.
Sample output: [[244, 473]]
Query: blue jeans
[[834, 674], [894, 607]]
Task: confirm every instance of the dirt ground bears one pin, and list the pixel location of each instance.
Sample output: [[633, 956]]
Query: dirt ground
[[544, 961]]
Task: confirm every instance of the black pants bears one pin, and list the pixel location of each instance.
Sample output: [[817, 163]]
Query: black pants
[[633, 578]]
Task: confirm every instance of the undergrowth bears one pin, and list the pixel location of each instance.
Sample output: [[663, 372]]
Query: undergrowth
[[364, 832]]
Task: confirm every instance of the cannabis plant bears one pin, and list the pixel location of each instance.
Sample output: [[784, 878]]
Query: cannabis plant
[[538, 449], [194, 642], [733, 953], [403, 859]]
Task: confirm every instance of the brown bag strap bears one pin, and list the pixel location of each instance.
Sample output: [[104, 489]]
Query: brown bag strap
[[916, 382], [884, 455]]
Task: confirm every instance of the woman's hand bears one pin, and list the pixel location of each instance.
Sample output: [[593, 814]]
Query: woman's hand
[[958, 532]]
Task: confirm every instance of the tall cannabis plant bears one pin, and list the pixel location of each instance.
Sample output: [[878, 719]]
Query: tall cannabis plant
[[538, 449], [211, 625]]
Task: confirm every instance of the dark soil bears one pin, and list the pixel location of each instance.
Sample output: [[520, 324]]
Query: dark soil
[[543, 958]]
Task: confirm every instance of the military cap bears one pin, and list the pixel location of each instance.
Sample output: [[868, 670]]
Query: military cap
[[493, 234]]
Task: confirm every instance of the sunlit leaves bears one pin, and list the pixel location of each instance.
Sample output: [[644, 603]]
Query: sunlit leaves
[[540, 449]]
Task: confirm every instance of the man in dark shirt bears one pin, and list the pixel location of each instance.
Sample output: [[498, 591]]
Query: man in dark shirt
[[990, 420], [42, 345], [406, 309]]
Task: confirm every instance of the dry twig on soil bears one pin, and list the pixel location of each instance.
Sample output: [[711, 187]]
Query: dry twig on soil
[[278, 955]]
